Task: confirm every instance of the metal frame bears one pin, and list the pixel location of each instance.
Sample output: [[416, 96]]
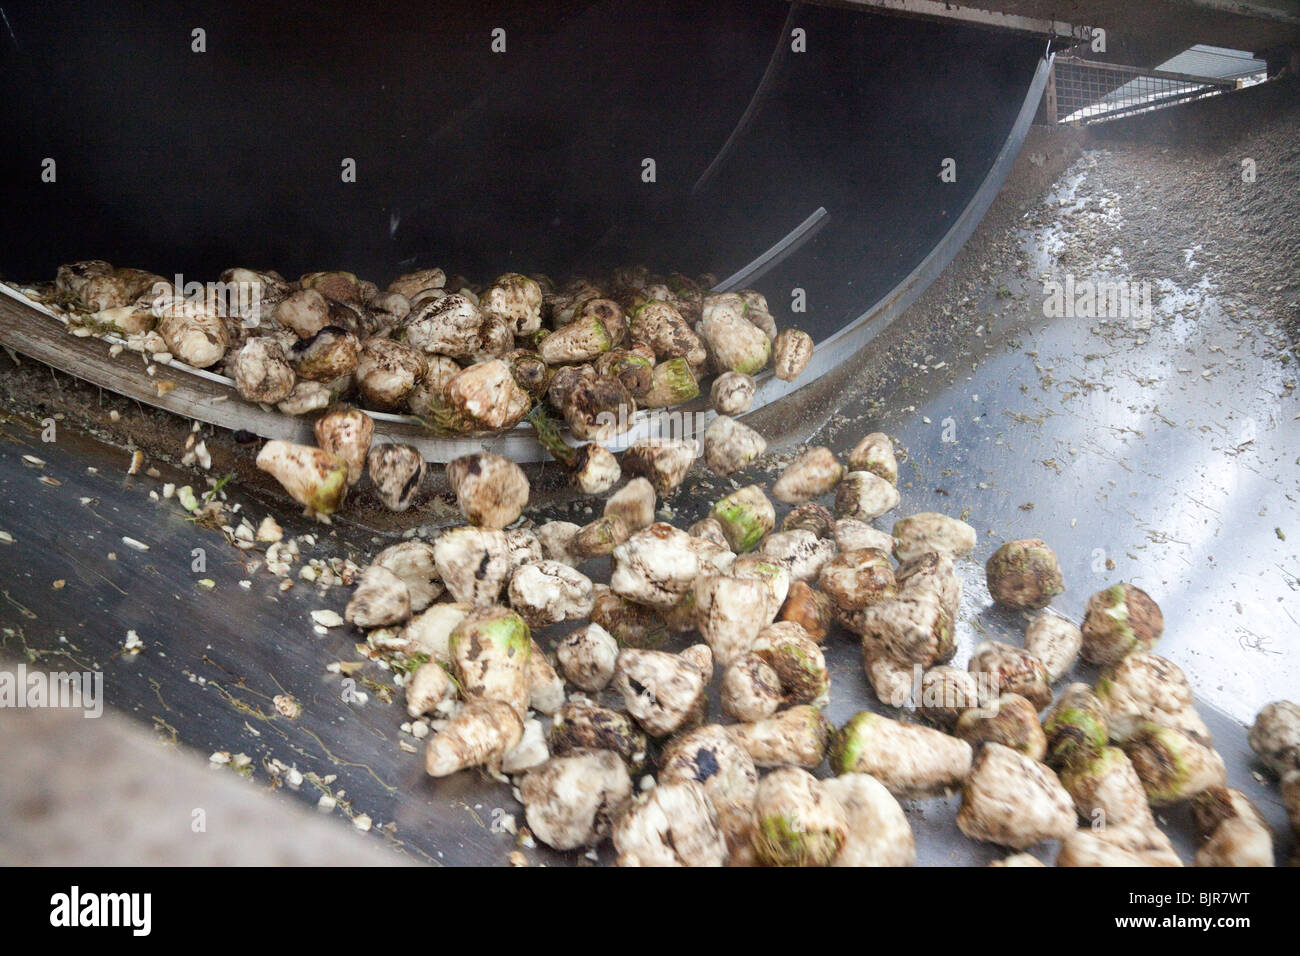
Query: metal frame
[[1097, 90], [937, 9]]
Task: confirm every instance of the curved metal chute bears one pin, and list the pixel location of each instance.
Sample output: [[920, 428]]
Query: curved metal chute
[[784, 167]]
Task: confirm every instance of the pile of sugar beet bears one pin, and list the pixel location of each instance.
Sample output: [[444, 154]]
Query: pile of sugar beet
[[462, 358], [611, 738]]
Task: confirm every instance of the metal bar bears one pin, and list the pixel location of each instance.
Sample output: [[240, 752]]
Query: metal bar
[[793, 240], [1142, 71], [1156, 104], [866, 327], [936, 9]]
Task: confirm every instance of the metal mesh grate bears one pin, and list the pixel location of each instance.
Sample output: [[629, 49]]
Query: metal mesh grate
[[1089, 91]]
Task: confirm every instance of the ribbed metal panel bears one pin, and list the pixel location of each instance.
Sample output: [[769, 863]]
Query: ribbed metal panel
[[1213, 61]]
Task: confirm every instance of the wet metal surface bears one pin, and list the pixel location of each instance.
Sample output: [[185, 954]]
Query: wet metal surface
[[1166, 445], [213, 660]]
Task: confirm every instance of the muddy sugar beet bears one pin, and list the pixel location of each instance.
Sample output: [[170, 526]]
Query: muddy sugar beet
[[1010, 721], [796, 737], [854, 580], [1145, 689], [931, 531], [346, 432], [572, 801], [710, 756], [879, 834], [663, 461], [491, 491], [912, 761], [725, 613], [1275, 737], [473, 563], [1024, 575], [1233, 831], [792, 351], [413, 562], [732, 393], [548, 592], [587, 657], [812, 474], [672, 825], [1076, 726], [663, 692], [480, 734], [1118, 621], [1054, 641], [797, 822], [597, 538], [810, 609], [810, 516], [745, 516], [429, 688], [734, 343], [489, 650], [633, 504], [730, 445], [946, 693], [1172, 764], [655, 567], [1107, 790], [865, 496], [875, 453], [1013, 800], [912, 628], [386, 373], [313, 477], [381, 598], [1012, 670], [262, 372], [581, 725], [750, 689], [797, 662], [397, 472], [545, 685]]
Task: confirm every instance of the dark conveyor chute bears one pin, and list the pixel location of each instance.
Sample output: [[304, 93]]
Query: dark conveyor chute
[[530, 159]]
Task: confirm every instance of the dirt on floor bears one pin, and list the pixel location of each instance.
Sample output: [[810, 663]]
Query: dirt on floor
[[1166, 182]]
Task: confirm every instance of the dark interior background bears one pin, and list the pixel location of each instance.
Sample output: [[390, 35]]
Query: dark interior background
[[483, 163]]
